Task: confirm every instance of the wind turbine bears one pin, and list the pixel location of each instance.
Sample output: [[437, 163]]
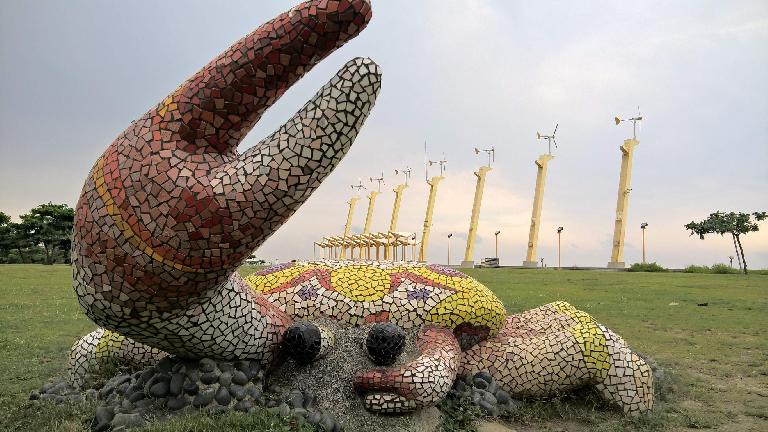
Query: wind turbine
[[550, 138], [635, 120]]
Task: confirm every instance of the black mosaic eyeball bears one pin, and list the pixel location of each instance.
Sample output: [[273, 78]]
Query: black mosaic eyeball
[[385, 342], [302, 341]]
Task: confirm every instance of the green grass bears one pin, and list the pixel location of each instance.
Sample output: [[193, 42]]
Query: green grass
[[717, 355]]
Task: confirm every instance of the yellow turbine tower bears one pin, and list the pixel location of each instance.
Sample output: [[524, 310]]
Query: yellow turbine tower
[[538, 199], [371, 203], [398, 190], [433, 184], [622, 200], [350, 213], [480, 174]]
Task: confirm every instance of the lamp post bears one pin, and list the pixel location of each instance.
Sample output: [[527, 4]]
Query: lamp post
[[731, 258], [559, 230], [449, 248], [643, 226], [497, 243]]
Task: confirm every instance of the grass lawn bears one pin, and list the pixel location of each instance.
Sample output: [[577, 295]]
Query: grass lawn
[[717, 355]]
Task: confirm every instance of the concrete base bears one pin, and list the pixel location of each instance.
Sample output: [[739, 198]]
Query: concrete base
[[467, 264], [616, 265], [532, 264]]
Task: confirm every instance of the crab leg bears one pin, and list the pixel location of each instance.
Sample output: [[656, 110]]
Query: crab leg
[[557, 347], [422, 382]]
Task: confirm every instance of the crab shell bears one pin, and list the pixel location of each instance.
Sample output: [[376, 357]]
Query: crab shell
[[463, 329], [451, 310]]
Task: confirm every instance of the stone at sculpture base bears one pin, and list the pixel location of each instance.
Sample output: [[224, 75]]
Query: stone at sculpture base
[[328, 378], [531, 264], [467, 264], [616, 265]]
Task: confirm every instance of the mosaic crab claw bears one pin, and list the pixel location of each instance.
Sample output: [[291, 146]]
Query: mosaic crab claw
[[170, 209], [556, 347], [422, 382]]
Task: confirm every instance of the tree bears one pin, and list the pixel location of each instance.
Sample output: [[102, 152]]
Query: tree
[[49, 225], [735, 224], [6, 235]]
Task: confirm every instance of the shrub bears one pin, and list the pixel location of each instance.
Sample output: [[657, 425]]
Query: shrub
[[697, 269], [646, 267], [723, 269]]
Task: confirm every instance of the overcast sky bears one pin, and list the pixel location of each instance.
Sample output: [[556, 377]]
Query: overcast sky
[[458, 74]]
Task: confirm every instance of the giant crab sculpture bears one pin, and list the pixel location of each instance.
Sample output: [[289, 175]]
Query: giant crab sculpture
[[170, 210]]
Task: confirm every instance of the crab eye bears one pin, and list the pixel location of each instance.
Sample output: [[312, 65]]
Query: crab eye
[[385, 342], [306, 342]]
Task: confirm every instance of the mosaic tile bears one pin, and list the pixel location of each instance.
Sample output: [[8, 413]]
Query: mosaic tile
[[171, 209]]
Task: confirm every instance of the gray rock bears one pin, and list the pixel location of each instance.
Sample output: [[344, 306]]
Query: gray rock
[[179, 368], [125, 406], [309, 400], [225, 379], [485, 376], [159, 389], [191, 388], [104, 414], [314, 417], [328, 423], [238, 392], [110, 385], [489, 397], [460, 386], [207, 365], [209, 378], [502, 397], [216, 409], [243, 405], [122, 388], [273, 410], [176, 384], [91, 394], [239, 378], [135, 397], [226, 367], [284, 410], [146, 375], [165, 365], [295, 399], [299, 413], [127, 420], [193, 374], [34, 396], [488, 408], [203, 398], [222, 396], [242, 366], [146, 403], [479, 383], [177, 403], [254, 370]]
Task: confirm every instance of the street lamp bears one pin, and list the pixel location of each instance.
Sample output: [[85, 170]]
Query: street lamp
[[643, 226], [731, 258], [449, 248], [559, 230], [497, 243]]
